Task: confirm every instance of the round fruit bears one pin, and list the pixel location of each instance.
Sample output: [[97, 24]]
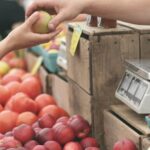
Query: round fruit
[[31, 86], [73, 146], [54, 111], [52, 145], [4, 68], [7, 120], [89, 142], [23, 133], [125, 144], [41, 26], [26, 118], [44, 100]]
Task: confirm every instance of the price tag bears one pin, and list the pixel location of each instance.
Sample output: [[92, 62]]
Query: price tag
[[75, 39], [37, 65]]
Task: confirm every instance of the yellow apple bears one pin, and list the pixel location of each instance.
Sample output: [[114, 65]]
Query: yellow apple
[[4, 68], [41, 25]]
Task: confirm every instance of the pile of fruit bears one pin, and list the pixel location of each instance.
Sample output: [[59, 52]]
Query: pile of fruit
[[32, 120]]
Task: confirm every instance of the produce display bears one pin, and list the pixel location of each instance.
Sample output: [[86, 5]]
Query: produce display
[[124, 144], [32, 120]]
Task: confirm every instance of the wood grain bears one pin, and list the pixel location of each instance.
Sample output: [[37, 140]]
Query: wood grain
[[116, 130]]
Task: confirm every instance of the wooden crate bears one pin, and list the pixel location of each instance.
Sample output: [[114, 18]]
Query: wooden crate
[[98, 65], [121, 122], [145, 143], [80, 101], [59, 89], [144, 38]]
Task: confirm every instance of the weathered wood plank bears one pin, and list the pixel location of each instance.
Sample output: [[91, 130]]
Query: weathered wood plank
[[108, 57], [60, 91], [145, 143], [80, 101], [132, 118], [116, 130]]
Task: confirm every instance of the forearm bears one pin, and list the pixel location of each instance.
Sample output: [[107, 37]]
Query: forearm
[[135, 11], [5, 47]]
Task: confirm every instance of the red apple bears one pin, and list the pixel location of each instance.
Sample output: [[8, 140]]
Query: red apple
[[39, 147], [46, 134], [23, 133], [30, 144], [46, 121], [92, 148], [63, 119], [124, 144], [63, 133], [52, 145], [9, 142], [89, 142], [80, 126], [73, 146]]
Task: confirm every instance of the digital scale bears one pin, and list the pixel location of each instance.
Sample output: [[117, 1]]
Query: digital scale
[[134, 88]]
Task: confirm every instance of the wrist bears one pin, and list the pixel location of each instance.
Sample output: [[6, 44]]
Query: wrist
[[5, 47]]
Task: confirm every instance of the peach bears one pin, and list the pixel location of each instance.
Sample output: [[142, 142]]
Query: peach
[[31, 86], [41, 26]]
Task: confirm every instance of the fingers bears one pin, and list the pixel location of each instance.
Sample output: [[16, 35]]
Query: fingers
[[40, 5], [42, 38], [32, 19], [59, 18]]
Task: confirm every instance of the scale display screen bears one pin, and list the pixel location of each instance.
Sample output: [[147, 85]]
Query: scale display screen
[[132, 88]]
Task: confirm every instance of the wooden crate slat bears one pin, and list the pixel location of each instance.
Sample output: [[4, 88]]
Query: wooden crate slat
[[145, 143], [132, 118], [81, 75], [108, 57], [139, 28], [100, 30], [116, 130], [80, 101]]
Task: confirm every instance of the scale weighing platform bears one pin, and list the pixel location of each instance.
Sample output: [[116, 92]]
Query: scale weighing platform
[[134, 88]]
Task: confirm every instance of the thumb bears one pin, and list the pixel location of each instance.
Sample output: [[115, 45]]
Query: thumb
[[33, 18], [59, 18]]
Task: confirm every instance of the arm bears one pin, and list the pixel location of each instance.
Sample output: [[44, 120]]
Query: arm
[[135, 11], [24, 37]]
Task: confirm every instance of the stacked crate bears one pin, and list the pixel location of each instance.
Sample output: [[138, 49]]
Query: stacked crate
[[95, 70], [121, 122]]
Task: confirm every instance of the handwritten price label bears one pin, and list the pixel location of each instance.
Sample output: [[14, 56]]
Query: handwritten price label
[[75, 39]]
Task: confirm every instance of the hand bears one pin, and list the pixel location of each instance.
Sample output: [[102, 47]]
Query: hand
[[65, 9], [24, 37]]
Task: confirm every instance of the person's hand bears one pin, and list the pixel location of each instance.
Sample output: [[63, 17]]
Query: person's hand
[[24, 37], [65, 9]]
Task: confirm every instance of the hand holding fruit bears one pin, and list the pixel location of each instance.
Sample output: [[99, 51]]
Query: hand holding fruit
[[26, 35], [65, 10]]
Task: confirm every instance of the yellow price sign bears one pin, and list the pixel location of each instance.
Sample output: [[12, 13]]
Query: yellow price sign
[[75, 39]]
